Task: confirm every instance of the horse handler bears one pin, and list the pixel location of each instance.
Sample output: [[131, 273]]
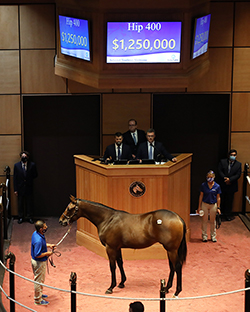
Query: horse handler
[[39, 255], [209, 203]]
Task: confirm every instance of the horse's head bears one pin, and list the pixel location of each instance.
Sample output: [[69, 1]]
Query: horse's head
[[70, 213]]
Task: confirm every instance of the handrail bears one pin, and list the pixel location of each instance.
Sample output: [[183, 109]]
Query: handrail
[[1, 226], [244, 194], [5, 207], [5, 214], [7, 183]]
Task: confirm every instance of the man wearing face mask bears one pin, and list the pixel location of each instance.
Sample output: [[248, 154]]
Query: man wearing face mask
[[229, 171], [39, 256], [24, 173]]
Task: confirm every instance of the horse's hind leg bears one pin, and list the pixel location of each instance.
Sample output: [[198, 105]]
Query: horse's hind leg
[[178, 270], [120, 265], [175, 266], [171, 276]]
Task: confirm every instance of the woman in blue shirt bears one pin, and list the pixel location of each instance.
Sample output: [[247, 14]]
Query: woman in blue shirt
[[209, 202]]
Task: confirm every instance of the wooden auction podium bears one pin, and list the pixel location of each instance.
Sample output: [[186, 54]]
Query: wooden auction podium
[[135, 189]]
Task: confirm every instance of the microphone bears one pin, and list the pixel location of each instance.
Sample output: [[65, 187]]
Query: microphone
[[95, 159], [103, 160], [158, 156], [100, 158]]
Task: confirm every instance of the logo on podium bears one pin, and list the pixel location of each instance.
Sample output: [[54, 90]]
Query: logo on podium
[[137, 189]]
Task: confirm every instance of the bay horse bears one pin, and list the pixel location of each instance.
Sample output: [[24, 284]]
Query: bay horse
[[119, 229]]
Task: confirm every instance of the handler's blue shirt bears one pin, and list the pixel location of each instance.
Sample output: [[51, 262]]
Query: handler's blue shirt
[[210, 195], [38, 246]]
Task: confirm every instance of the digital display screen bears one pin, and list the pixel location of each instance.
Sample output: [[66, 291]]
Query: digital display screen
[[74, 37], [143, 42], [201, 35]]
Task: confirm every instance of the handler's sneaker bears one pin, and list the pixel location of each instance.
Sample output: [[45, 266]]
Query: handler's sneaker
[[44, 296], [43, 302]]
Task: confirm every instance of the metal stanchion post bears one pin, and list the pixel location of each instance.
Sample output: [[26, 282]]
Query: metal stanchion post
[[12, 258], [162, 295], [247, 292], [72, 280]]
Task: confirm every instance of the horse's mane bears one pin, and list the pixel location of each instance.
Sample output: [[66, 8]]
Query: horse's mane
[[95, 203]]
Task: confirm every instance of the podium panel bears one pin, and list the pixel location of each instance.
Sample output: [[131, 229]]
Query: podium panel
[[135, 189]]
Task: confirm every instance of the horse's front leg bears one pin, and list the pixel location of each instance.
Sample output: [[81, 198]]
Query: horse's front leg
[[120, 265], [112, 258]]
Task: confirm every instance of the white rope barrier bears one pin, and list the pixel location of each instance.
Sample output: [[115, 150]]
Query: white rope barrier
[[22, 305], [30, 280], [126, 298]]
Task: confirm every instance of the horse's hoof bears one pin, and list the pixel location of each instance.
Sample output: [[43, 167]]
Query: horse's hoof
[[174, 296], [121, 285], [109, 291]]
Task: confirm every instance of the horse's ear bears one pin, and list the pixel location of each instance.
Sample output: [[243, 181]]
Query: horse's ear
[[72, 198]]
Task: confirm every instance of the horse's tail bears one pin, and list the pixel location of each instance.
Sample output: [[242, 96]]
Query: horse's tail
[[182, 251]]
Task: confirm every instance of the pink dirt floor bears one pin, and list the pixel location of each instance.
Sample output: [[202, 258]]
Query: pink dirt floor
[[211, 268]]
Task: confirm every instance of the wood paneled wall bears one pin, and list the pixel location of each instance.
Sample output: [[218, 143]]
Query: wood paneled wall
[[28, 48], [27, 51], [119, 108], [230, 72], [10, 112]]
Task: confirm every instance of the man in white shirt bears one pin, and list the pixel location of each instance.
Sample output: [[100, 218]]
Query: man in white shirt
[[118, 150], [133, 137], [152, 149], [24, 173]]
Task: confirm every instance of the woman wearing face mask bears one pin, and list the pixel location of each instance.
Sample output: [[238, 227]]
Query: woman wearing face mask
[[209, 203]]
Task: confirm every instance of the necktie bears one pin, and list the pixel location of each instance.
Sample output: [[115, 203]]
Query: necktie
[[119, 152], [134, 137], [24, 169], [150, 152]]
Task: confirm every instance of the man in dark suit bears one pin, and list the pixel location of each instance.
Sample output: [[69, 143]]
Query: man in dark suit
[[133, 137], [24, 174], [118, 150], [229, 172], [152, 149]]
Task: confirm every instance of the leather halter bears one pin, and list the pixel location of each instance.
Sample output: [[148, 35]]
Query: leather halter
[[75, 212]]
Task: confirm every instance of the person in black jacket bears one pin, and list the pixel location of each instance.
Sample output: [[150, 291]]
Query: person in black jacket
[[153, 149], [136, 306], [118, 150], [24, 173], [134, 137], [229, 172]]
